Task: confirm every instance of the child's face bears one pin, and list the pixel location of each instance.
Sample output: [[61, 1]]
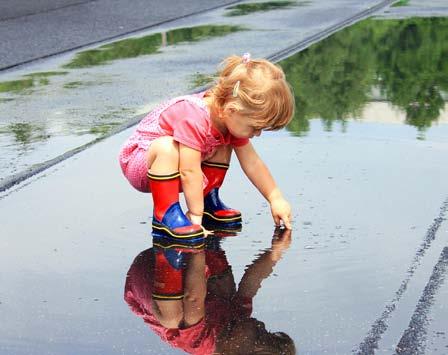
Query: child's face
[[241, 126]]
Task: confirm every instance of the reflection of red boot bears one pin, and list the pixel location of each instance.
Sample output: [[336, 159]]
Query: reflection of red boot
[[170, 227], [169, 267], [216, 260], [216, 214]]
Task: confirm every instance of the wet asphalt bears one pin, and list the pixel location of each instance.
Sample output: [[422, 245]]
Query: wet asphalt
[[38, 29], [366, 272], [54, 106]]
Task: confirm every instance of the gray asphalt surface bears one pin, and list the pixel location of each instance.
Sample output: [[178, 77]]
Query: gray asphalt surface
[[366, 272], [10, 9], [34, 30]]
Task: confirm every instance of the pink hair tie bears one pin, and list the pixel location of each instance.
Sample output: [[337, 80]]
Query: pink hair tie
[[246, 58]]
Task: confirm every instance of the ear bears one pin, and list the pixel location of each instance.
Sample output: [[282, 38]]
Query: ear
[[229, 110]]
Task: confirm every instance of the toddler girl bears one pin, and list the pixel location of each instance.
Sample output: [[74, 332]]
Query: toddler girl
[[185, 144]]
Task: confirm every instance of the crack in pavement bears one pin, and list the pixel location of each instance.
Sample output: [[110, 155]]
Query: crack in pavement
[[414, 337], [378, 328]]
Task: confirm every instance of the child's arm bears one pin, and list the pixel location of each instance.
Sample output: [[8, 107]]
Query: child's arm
[[191, 178], [258, 173]]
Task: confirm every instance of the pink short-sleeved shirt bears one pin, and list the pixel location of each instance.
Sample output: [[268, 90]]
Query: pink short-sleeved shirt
[[187, 120]]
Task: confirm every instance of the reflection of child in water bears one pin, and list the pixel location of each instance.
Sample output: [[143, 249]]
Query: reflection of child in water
[[186, 143], [212, 321]]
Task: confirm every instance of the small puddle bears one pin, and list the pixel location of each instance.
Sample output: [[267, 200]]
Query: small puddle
[[401, 3], [151, 44], [25, 133], [199, 79], [249, 8], [16, 86], [23, 86]]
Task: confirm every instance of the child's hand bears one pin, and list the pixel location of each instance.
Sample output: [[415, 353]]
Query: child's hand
[[281, 212]]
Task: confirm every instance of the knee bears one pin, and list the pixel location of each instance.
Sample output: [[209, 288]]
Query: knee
[[163, 148], [170, 320], [195, 296], [167, 147]]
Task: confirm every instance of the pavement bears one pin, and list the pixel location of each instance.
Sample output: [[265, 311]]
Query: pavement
[[74, 104], [39, 29], [365, 272]]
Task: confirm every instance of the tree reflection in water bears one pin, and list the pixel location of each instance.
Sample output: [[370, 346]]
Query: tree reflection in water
[[405, 59], [165, 287]]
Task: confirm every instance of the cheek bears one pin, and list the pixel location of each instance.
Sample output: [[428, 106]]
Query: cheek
[[239, 131]]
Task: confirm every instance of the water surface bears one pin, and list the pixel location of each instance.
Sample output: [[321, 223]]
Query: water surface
[[397, 68]]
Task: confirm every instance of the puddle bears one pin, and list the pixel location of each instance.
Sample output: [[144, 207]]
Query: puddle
[[365, 195], [249, 8], [401, 3], [46, 74], [151, 44], [23, 86], [198, 80], [396, 67], [16, 86], [103, 129], [74, 84], [25, 133]]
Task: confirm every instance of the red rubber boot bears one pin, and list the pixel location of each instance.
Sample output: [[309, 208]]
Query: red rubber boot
[[216, 214], [170, 227]]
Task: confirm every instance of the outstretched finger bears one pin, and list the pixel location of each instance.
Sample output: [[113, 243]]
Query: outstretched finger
[[277, 220], [287, 222]]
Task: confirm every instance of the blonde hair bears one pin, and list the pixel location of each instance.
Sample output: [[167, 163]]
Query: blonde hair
[[256, 88]]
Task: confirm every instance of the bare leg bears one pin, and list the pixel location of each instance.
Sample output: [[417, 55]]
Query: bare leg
[[170, 225], [195, 290], [169, 313], [163, 156]]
